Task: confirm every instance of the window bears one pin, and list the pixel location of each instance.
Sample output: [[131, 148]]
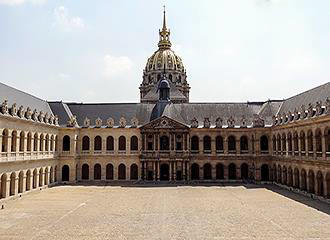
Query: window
[[66, 143], [122, 143], [134, 143]]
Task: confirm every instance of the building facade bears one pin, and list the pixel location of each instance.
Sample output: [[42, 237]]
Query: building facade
[[165, 137]]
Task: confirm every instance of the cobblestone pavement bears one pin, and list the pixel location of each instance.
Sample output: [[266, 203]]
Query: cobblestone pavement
[[163, 212]]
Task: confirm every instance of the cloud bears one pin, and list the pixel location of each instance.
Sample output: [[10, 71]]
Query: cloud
[[20, 2], [64, 21], [114, 66]]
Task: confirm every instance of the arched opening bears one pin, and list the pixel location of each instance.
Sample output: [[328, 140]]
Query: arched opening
[[28, 180], [302, 143], [295, 143], [318, 142], [85, 172], [232, 171], [4, 146], [320, 187], [97, 171], [41, 143], [20, 182], [195, 144], [164, 172], [290, 177], [275, 179], [13, 141], [194, 171], [12, 184], [47, 143], [29, 142], [122, 172], [207, 171], [164, 143], [46, 176], [97, 143], [279, 170], [109, 171], [110, 145], [264, 172], [311, 180], [207, 144], [231, 144], [296, 178], [65, 173], [279, 146], [219, 144], [244, 171], [285, 176], [35, 142], [264, 144], [66, 143], [328, 184], [122, 143], [134, 143], [303, 180], [3, 185], [284, 143], [310, 142], [219, 171], [290, 143], [55, 174], [51, 143], [244, 144], [41, 177], [85, 143], [274, 144], [21, 141], [134, 172], [35, 178]]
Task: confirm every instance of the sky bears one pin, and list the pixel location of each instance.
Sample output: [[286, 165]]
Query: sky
[[233, 50]]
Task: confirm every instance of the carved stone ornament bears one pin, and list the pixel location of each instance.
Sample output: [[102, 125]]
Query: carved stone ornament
[[303, 112], [207, 123], [243, 122], [318, 107], [231, 122], [134, 122], [72, 121], [110, 122], [56, 120], [41, 116], [21, 112], [35, 115], [87, 122], [296, 114], [4, 107], [28, 113], [218, 122], [98, 122], [122, 122], [327, 106], [274, 120], [290, 118], [310, 110], [13, 110], [46, 118], [258, 121], [51, 119], [194, 123]]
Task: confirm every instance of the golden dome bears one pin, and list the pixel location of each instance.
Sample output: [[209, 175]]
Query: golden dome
[[164, 58]]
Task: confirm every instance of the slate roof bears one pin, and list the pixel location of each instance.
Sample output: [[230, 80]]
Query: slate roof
[[312, 96], [175, 94], [21, 98]]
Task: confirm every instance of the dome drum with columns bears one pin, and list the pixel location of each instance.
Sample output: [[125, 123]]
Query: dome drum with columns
[[164, 62]]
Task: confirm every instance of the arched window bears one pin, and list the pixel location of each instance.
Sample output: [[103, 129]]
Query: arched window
[[207, 144], [194, 171], [85, 143], [109, 172], [244, 171], [318, 142], [231, 144], [164, 143], [29, 142], [279, 146], [195, 144], [310, 141], [4, 147], [21, 141], [284, 143], [290, 143], [13, 141], [295, 143], [232, 171], [110, 145], [264, 144], [41, 143], [219, 171], [122, 172], [35, 142], [207, 170], [97, 143], [66, 143], [264, 172], [302, 143], [178, 142], [97, 171], [122, 143], [134, 143], [219, 144], [274, 144], [134, 172], [51, 143], [150, 141], [244, 144], [65, 173], [47, 143], [85, 172]]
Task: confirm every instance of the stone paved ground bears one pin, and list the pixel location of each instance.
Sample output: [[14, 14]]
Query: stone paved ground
[[209, 212]]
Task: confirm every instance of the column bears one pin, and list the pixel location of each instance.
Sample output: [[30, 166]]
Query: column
[[314, 145], [187, 166], [183, 169], [200, 145], [287, 146], [18, 137], [1, 130], [324, 150], [9, 142], [24, 182], [175, 169], [306, 146], [170, 165], [213, 171], [16, 184], [225, 145], [299, 146], [201, 175], [158, 170], [225, 172], [7, 193]]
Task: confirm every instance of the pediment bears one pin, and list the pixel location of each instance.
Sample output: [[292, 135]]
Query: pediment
[[164, 122]]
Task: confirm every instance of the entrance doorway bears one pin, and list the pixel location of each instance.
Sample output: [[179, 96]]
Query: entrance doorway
[[164, 172]]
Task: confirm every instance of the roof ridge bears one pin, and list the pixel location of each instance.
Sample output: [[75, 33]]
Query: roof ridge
[[24, 92]]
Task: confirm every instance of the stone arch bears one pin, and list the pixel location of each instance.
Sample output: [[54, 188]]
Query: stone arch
[[13, 141], [21, 182], [51, 179], [29, 142], [194, 143], [85, 171], [35, 178], [121, 172], [109, 171], [97, 143], [3, 192], [290, 177], [264, 172], [85, 143], [46, 177], [285, 176], [289, 139], [97, 171], [320, 186], [110, 143], [219, 171], [296, 178], [28, 180], [207, 143], [264, 143], [207, 171], [66, 143], [5, 134], [318, 141], [134, 172], [134, 143], [302, 137], [231, 143], [21, 141], [232, 171], [219, 143], [194, 171], [310, 141], [65, 173], [303, 180], [244, 171], [122, 143], [244, 144], [295, 142], [41, 177], [12, 188]]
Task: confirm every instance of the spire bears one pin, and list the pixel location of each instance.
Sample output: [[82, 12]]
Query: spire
[[164, 34]]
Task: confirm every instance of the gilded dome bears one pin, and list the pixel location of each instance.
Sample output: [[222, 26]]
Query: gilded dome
[[164, 58]]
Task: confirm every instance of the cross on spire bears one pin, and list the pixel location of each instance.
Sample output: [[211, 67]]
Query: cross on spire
[[164, 34]]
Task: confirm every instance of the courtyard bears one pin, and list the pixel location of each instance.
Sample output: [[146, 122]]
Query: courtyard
[[165, 212]]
